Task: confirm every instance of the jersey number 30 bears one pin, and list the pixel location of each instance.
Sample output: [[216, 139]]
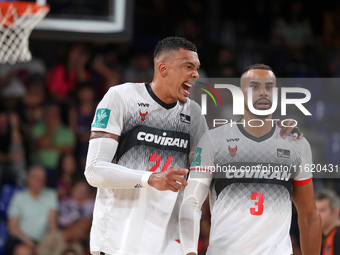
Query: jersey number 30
[[259, 199]]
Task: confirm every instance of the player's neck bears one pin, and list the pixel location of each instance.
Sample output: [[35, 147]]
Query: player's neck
[[161, 93], [255, 126]]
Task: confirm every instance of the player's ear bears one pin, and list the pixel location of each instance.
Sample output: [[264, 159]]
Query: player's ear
[[162, 69]]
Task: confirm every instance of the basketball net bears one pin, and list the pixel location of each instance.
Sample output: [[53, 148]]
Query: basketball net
[[17, 20]]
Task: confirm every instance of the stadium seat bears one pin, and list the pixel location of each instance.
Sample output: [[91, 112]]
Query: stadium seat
[[7, 192], [3, 236]]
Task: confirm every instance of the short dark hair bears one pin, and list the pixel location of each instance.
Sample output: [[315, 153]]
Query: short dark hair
[[258, 67], [322, 194], [173, 43]]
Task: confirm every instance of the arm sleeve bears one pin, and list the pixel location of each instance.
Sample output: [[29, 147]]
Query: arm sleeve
[[190, 213], [101, 173], [195, 194]]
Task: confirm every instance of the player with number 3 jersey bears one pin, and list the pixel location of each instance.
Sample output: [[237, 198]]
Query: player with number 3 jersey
[[251, 175]]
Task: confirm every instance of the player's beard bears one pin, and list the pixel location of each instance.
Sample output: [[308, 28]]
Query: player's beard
[[254, 105]]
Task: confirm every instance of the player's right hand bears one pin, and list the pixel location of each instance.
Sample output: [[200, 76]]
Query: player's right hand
[[169, 179]]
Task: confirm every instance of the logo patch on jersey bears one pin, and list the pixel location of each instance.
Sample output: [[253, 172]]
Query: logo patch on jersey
[[142, 115], [185, 118], [232, 151], [197, 157], [233, 140], [281, 153], [102, 118], [143, 104]]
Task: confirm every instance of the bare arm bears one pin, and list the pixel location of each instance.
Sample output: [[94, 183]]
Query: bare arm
[[52, 220], [95, 135], [308, 219], [14, 230]]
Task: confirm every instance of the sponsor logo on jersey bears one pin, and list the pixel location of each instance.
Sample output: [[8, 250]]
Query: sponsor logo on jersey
[[197, 157], [143, 104], [185, 118], [260, 173], [137, 186], [102, 118], [163, 140], [281, 153], [233, 140], [232, 151], [148, 138], [143, 115]]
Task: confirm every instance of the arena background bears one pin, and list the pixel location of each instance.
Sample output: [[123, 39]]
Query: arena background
[[298, 39]]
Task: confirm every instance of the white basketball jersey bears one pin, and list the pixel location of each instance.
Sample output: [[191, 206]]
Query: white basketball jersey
[[153, 137], [250, 193]]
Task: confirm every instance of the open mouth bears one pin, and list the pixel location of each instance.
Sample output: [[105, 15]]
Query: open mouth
[[186, 86]]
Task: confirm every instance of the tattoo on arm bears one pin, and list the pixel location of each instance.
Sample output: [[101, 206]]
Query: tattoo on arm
[[95, 135]]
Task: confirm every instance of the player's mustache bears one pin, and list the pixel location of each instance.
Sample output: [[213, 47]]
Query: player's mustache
[[263, 98]]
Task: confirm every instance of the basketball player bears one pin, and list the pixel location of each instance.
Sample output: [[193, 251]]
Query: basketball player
[[252, 174], [149, 129]]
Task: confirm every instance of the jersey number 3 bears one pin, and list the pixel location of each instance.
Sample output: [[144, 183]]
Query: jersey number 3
[[259, 199], [157, 158]]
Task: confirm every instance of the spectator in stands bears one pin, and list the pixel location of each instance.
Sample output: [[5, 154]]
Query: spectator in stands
[[140, 68], [293, 36], [80, 119], [12, 156], [32, 212], [327, 203], [292, 30], [58, 241], [66, 172], [108, 66], [31, 108], [51, 138], [79, 205], [63, 78]]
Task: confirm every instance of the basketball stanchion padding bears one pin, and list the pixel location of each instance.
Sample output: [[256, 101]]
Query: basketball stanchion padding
[[17, 20]]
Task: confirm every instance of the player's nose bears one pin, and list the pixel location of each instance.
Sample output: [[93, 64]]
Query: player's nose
[[263, 92], [195, 74]]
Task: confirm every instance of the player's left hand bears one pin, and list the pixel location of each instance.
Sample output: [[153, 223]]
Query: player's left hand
[[285, 130]]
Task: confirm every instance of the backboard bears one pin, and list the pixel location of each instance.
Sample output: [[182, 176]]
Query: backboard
[[102, 20]]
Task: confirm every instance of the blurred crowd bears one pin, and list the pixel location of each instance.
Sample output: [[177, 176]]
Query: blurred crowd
[[48, 104]]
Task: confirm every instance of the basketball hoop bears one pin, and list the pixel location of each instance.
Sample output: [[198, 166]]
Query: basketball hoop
[[17, 20]]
